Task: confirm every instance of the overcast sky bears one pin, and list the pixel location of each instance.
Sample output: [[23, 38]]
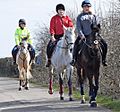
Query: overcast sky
[[33, 11]]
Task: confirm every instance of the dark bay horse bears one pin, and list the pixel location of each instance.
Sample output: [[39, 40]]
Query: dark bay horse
[[88, 65]]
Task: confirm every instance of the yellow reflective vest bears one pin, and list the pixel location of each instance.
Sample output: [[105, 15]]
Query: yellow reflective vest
[[19, 34]]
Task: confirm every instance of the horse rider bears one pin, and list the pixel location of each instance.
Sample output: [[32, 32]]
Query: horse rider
[[83, 26], [21, 33], [56, 29]]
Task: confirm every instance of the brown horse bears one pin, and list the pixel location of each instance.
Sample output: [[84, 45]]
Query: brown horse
[[24, 66], [88, 65]]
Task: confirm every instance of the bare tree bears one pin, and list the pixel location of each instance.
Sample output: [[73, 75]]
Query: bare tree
[[110, 80]]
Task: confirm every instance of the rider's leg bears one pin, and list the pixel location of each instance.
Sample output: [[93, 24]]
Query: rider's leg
[[49, 54], [14, 53], [50, 48], [104, 51], [32, 53], [75, 51]]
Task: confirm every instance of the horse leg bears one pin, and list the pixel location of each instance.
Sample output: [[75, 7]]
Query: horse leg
[[27, 84], [95, 90], [20, 78], [20, 85], [96, 87], [80, 74], [61, 86], [69, 74], [26, 79], [50, 80], [91, 91]]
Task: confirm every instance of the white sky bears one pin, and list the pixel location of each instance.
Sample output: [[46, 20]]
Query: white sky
[[33, 11]]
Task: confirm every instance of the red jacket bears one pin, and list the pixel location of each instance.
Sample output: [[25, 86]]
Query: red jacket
[[56, 24]]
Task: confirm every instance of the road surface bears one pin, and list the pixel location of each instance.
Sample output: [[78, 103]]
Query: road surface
[[37, 99]]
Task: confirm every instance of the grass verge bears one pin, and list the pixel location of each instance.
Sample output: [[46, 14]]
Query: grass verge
[[105, 101]]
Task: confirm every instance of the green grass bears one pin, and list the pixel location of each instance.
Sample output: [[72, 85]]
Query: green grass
[[105, 101], [108, 102]]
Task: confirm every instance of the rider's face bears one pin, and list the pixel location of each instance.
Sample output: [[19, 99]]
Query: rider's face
[[22, 25], [61, 12], [86, 9]]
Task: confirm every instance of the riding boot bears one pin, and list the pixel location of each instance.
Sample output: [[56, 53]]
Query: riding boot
[[49, 53], [104, 62], [75, 52], [14, 54], [32, 55], [14, 60], [48, 63], [104, 52], [73, 62]]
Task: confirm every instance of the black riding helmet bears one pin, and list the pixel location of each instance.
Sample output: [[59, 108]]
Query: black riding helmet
[[60, 6], [22, 21], [86, 3]]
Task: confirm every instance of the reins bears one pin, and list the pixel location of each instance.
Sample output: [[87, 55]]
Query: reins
[[67, 46]]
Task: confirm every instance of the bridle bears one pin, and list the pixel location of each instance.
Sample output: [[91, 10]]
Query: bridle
[[92, 45], [23, 53], [68, 45]]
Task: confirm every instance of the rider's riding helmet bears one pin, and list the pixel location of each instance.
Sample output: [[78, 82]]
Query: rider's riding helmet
[[22, 21], [60, 6], [86, 3]]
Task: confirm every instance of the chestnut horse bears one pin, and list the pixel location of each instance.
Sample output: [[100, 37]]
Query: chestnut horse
[[24, 65]]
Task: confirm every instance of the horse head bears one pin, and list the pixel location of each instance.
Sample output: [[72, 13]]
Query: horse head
[[95, 27], [93, 40], [69, 36], [24, 46], [95, 31]]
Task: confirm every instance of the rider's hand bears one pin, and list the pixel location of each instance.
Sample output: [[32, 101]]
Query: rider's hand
[[53, 38]]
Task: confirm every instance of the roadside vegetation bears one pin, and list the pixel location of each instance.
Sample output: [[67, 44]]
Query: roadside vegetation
[[109, 95]]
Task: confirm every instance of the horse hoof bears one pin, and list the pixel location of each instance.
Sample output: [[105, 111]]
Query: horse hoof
[[93, 104], [50, 92], [26, 88], [83, 102], [19, 89], [70, 99], [61, 98]]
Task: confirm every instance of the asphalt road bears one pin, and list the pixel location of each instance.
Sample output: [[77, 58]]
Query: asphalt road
[[37, 99]]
